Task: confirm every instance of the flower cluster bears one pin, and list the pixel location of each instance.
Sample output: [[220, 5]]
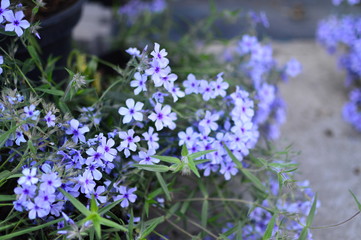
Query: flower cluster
[[92, 160], [343, 33], [132, 9]]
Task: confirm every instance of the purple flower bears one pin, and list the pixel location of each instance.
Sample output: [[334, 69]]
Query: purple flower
[[36, 209], [151, 138], [97, 193], [208, 124], [247, 44], [109, 153], [188, 137], [4, 9], [146, 157], [228, 169], [50, 119], [50, 182], [293, 68], [219, 86], [78, 133], [1, 62], [133, 111], [139, 83], [30, 113], [25, 192], [133, 52], [157, 71], [19, 137], [95, 156], [128, 142], [86, 182], [206, 90], [191, 84], [29, 177], [176, 92], [160, 55], [16, 22], [127, 195], [162, 117]]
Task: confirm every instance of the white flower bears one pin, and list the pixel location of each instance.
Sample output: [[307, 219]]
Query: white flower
[[133, 111], [163, 117], [139, 83]]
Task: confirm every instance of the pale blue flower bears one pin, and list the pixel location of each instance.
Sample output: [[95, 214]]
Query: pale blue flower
[[132, 112], [16, 22], [76, 131], [163, 117], [127, 195], [152, 138], [139, 83], [208, 123], [50, 119], [29, 177]]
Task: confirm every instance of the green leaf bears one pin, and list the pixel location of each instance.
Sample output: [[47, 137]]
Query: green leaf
[[51, 91], [192, 166], [167, 159], [196, 162], [234, 159], [312, 212], [257, 183], [184, 150], [6, 198], [5, 135], [199, 154], [93, 205], [163, 185], [107, 222], [150, 226], [268, 233], [357, 201], [76, 203], [152, 168], [107, 208], [204, 215], [96, 226], [30, 229], [4, 174]]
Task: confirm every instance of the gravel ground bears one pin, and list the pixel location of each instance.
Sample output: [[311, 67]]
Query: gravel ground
[[330, 149]]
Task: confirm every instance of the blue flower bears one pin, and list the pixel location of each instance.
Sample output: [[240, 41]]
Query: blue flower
[[133, 111], [16, 22], [127, 195], [78, 133]]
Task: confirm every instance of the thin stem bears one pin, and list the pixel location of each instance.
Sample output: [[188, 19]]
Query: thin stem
[[179, 228], [201, 227], [337, 224]]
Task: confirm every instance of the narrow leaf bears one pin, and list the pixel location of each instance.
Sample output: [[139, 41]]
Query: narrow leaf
[[193, 167], [152, 168], [163, 185], [357, 201], [167, 159], [312, 212], [107, 222], [29, 230], [76, 203], [6, 198], [108, 207], [257, 183], [184, 150], [150, 226], [199, 154], [268, 233]]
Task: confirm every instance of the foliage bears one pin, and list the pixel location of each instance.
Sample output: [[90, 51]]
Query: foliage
[[151, 151]]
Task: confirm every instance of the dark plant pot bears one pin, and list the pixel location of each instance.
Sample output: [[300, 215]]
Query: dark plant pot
[[56, 39]]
